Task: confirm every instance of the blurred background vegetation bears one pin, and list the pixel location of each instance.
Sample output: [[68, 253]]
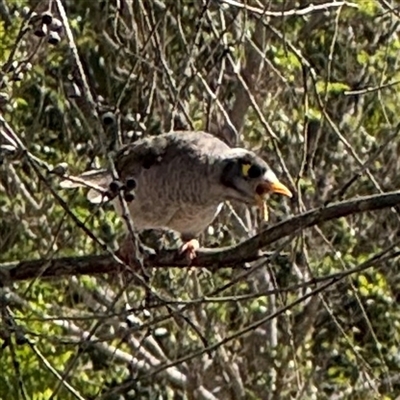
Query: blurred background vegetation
[[313, 87]]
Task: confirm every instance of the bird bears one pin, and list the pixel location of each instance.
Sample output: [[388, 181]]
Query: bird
[[178, 181]]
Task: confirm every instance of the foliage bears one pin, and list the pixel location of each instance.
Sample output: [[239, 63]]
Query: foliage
[[314, 92]]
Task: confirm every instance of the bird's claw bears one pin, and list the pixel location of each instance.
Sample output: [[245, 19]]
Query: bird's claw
[[189, 249]]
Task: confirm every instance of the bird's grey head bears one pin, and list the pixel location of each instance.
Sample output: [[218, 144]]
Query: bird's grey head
[[246, 177]]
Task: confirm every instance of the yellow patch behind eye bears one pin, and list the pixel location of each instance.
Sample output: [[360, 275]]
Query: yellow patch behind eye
[[245, 169]]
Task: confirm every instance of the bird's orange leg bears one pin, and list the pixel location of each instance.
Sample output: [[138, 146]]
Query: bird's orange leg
[[190, 248]]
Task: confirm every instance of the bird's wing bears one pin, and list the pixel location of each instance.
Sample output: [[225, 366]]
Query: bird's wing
[[165, 149], [171, 152], [96, 180]]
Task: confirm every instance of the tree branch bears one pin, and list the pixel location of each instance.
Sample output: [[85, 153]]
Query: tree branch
[[226, 257]]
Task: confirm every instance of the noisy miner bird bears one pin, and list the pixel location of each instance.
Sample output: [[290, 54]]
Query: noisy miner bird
[[178, 181]]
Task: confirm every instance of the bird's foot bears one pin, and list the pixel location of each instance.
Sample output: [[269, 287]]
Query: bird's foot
[[189, 249]]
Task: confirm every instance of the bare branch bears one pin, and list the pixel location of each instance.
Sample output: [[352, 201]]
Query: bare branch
[[228, 257]]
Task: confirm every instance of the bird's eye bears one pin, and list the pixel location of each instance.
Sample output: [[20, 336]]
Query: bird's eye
[[254, 172]]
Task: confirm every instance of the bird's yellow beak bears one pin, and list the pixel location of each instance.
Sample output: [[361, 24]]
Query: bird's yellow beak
[[280, 188], [265, 188]]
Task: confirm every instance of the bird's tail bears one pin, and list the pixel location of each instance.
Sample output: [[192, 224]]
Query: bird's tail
[[96, 180]]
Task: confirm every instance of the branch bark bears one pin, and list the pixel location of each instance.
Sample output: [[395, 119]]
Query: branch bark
[[226, 257]]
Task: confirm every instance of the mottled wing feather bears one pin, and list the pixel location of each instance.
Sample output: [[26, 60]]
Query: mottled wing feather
[[162, 149]]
